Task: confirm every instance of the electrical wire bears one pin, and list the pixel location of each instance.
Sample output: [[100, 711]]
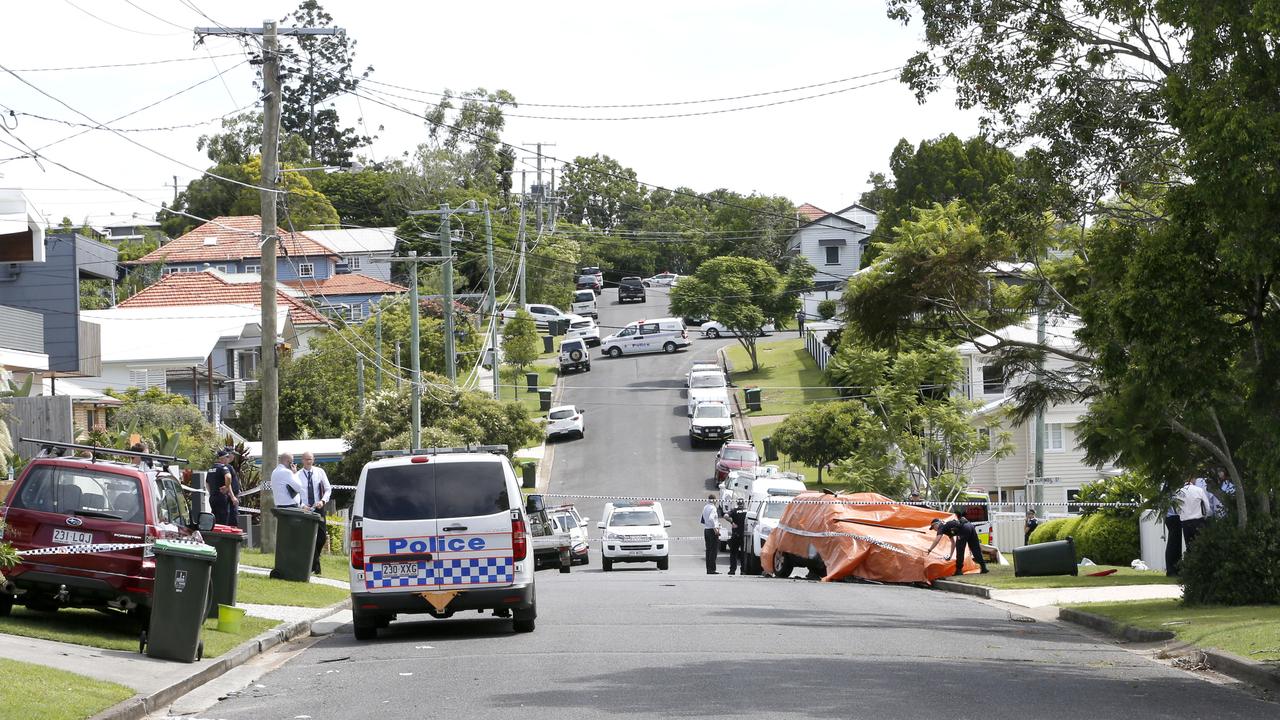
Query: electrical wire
[[122, 65], [119, 27]]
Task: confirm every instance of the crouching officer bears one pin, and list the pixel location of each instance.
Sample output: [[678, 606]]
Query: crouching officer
[[963, 534]]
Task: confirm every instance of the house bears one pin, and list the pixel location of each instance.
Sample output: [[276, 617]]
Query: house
[[350, 296], [214, 287], [359, 249], [204, 352], [128, 229], [1012, 478], [89, 408], [233, 245], [833, 242]]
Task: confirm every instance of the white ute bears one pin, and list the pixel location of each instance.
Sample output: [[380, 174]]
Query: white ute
[[634, 532]]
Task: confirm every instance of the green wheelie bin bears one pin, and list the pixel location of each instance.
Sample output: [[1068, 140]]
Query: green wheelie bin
[[1051, 558], [295, 543], [226, 540], [179, 600]]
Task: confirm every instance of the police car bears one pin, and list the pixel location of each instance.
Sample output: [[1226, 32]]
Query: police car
[[763, 514], [436, 532], [634, 532]]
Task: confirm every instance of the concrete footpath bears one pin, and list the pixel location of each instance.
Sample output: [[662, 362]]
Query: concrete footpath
[[157, 683], [1044, 597]]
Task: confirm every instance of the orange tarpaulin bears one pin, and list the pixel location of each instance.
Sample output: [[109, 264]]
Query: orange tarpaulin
[[882, 540]]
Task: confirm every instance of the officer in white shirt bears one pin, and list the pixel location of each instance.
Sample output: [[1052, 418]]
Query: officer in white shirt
[[315, 491], [711, 533], [1193, 505], [286, 489]]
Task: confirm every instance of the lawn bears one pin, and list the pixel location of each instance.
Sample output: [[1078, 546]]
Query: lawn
[[1251, 631], [514, 386], [1001, 578], [332, 566], [115, 631], [36, 691], [262, 590], [760, 432], [784, 367]]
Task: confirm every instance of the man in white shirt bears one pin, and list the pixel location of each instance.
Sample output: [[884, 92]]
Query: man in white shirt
[[711, 533], [1193, 505], [315, 491], [285, 487]]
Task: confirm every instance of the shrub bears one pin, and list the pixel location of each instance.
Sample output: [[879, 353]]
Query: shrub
[[1069, 528], [1129, 487], [1230, 566], [827, 309], [1107, 540], [1047, 531]]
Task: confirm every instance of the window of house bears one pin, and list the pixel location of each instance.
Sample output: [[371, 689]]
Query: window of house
[[253, 268], [220, 268], [992, 380], [1053, 437], [353, 263], [166, 271], [1072, 495], [356, 313], [306, 270], [833, 255]]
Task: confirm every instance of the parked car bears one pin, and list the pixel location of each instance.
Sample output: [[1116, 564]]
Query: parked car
[[763, 514], [574, 356], [584, 304], [579, 326], [634, 531], [60, 500], [552, 543], [645, 336], [631, 289], [713, 329], [576, 525], [565, 420], [426, 525], [661, 280], [710, 421], [753, 482], [584, 328], [590, 282], [700, 367], [694, 320], [595, 272], [707, 386], [735, 455]]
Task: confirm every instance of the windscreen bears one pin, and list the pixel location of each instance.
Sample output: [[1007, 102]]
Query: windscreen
[[427, 491], [773, 509], [739, 455], [707, 381], [634, 518], [562, 414], [711, 411]]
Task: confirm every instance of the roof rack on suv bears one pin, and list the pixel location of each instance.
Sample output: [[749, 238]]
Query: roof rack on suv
[[495, 449], [47, 448]]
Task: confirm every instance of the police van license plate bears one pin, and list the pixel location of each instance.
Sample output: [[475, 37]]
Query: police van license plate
[[392, 570], [72, 537]]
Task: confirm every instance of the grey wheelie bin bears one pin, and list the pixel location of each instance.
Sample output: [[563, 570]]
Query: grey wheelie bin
[[179, 600], [226, 540], [1051, 558], [295, 543]]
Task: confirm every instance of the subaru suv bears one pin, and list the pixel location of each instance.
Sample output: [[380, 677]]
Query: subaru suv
[[63, 501], [436, 532]]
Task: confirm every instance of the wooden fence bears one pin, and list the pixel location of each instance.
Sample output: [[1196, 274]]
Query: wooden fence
[[45, 417]]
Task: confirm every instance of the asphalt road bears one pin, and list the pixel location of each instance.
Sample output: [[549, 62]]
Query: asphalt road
[[640, 643]]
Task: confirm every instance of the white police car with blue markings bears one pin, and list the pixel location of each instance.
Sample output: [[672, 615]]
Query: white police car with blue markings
[[439, 531], [634, 531]]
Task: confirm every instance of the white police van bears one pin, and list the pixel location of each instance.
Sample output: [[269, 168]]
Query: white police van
[[646, 336], [436, 532]]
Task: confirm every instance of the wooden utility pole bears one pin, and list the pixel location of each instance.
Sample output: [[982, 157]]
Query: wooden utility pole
[[269, 379]]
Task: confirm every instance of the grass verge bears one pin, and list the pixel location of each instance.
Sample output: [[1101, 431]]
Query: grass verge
[[36, 691], [333, 566], [115, 631], [760, 432], [262, 590], [1001, 578], [784, 366], [1250, 631], [514, 386]]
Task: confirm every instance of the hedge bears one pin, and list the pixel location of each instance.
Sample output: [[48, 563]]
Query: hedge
[[1107, 540], [1047, 531], [1229, 566]]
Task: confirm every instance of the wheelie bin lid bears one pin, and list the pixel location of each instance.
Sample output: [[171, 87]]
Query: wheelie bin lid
[[185, 549], [294, 513], [225, 532]]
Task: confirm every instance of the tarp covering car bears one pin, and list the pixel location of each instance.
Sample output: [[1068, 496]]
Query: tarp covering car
[[863, 535]]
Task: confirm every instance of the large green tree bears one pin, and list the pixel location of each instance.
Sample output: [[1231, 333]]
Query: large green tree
[[465, 147], [599, 192]]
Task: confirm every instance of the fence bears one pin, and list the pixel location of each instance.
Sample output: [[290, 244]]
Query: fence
[[45, 417], [814, 345]]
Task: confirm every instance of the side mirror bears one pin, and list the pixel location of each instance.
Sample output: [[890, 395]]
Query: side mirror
[[585, 519], [204, 522], [666, 523], [600, 526], [752, 516], [534, 504]]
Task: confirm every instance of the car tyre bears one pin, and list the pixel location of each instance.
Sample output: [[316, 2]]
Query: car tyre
[[669, 348], [364, 626], [606, 564], [713, 333], [782, 565], [6, 605], [582, 434], [615, 352], [752, 564], [664, 563], [524, 621], [565, 569]]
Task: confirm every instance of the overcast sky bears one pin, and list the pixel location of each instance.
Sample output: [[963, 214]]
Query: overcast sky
[[817, 150]]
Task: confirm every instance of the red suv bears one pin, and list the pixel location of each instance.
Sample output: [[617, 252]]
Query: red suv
[[63, 501], [735, 455]]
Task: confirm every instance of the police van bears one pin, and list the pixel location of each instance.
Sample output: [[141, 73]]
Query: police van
[[645, 336], [436, 532]]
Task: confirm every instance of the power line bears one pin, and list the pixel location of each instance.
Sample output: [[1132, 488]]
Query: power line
[[122, 65], [118, 27], [168, 128]]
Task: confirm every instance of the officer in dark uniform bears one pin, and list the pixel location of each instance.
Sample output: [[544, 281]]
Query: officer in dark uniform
[[963, 534], [224, 489], [737, 537]]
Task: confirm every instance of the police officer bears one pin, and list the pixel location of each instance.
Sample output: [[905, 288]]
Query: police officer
[[224, 489], [737, 537], [963, 534]]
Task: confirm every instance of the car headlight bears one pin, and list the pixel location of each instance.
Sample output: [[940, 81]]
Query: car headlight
[[612, 536]]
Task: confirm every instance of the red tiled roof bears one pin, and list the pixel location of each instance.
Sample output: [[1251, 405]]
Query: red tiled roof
[[236, 238], [349, 284], [808, 213], [207, 288]]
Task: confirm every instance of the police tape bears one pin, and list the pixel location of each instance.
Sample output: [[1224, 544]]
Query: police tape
[[837, 500], [856, 536], [256, 490], [82, 549]]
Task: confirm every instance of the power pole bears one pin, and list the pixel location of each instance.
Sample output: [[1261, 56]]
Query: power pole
[[415, 352], [539, 190], [377, 325], [269, 381], [521, 239], [1041, 337], [493, 299], [360, 384], [446, 251], [398, 371]]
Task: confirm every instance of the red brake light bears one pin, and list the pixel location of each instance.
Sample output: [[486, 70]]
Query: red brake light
[[357, 547], [419, 459], [519, 539]]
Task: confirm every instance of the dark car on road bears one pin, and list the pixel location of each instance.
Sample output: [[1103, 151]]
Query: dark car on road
[[68, 501], [631, 289], [590, 282]]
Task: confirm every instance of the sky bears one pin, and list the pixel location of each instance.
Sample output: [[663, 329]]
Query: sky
[[816, 149]]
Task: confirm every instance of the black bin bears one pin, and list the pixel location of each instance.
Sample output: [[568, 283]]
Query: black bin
[[531, 380], [179, 600], [770, 452], [226, 540], [529, 472], [1051, 558], [295, 543], [544, 399], [548, 344], [752, 395]]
